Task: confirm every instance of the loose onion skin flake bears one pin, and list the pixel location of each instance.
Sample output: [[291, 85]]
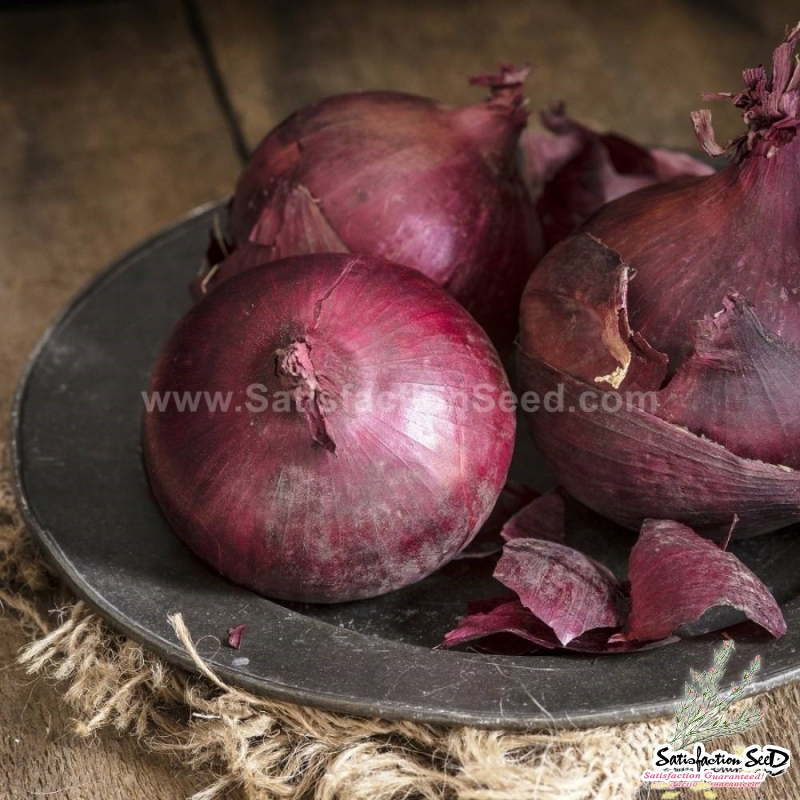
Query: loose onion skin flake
[[404, 178], [690, 293], [575, 170], [676, 576], [355, 466], [562, 598], [564, 588]]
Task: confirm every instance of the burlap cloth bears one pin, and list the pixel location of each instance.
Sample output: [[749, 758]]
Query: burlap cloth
[[278, 750]]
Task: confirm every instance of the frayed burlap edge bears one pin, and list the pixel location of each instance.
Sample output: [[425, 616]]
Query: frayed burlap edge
[[278, 750]]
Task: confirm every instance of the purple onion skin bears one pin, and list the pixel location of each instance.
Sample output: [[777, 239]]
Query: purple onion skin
[[406, 179], [697, 286], [734, 231], [324, 503], [692, 243], [563, 587], [562, 598], [676, 576], [632, 464], [573, 171]]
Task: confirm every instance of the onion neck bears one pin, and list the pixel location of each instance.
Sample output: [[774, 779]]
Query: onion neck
[[694, 241], [495, 125], [756, 190], [771, 169], [770, 104], [759, 191], [295, 368]]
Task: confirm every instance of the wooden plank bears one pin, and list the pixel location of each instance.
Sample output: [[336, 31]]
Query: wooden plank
[[635, 67], [110, 131]]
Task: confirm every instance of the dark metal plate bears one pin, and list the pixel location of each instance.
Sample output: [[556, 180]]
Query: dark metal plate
[[84, 492]]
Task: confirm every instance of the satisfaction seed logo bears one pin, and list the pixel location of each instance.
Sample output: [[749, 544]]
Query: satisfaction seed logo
[[706, 714]]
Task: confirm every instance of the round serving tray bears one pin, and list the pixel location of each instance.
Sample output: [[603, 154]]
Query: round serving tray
[[83, 490]]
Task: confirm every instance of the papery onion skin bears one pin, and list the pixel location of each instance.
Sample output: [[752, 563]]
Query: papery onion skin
[[737, 230], [405, 178], [563, 598], [327, 503], [505, 628], [573, 170], [690, 292], [692, 243], [231, 263], [625, 460], [566, 589], [676, 576]]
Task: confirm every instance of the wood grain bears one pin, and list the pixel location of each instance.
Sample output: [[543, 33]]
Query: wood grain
[[635, 67], [110, 131]]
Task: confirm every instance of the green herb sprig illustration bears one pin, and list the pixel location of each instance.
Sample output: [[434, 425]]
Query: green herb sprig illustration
[[704, 712]]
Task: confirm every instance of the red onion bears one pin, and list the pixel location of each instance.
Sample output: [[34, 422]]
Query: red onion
[[351, 459], [576, 171], [689, 292], [235, 636], [407, 179]]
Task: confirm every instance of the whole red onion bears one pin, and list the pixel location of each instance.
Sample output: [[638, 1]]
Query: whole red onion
[[407, 179], [366, 438], [690, 292]]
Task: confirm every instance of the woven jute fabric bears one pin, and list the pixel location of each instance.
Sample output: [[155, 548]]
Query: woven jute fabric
[[278, 750]]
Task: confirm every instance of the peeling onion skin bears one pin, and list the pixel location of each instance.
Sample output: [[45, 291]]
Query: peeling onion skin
[[692, 242], [633, 463], [737, 230], [241, 258], [572, 171], [560, 597], [691, 292], [563, 587], [324, 504], [407, 179]]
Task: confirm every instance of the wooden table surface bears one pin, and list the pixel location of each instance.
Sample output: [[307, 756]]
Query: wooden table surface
[[117, 117]]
